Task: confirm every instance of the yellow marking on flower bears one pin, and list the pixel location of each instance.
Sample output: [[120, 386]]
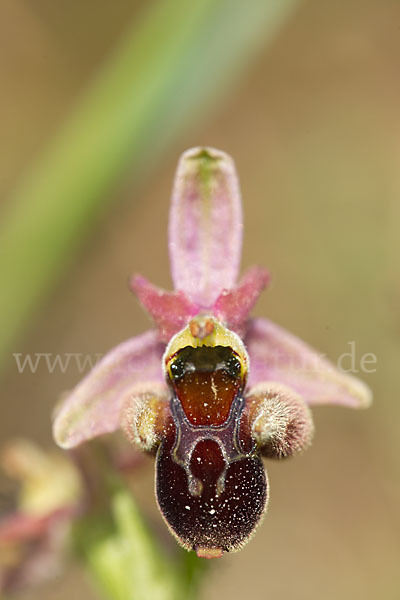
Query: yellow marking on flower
[[209, 332]]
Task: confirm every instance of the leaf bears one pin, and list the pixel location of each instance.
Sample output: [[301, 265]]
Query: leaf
[[172, 66], [125, 559]]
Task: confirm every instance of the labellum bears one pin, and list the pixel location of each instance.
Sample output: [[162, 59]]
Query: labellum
[[211, 485]]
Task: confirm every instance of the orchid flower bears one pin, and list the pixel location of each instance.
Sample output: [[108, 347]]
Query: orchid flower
[[34, 537], [209, 390]]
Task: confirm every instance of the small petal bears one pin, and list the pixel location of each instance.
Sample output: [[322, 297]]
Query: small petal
[[233, 306], [171, 311], [94, 406], [205, 230], [277, 355], [281, 421], [146, 415]]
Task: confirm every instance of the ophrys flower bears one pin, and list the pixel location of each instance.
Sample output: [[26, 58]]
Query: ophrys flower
[[209, 390]]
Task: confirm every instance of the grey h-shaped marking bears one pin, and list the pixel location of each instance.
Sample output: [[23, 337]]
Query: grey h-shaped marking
[[225, 435]]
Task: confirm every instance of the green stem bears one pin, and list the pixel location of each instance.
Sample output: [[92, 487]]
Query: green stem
[[124, 558]]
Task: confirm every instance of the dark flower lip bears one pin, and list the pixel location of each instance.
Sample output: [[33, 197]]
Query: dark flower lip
[[207, 523]]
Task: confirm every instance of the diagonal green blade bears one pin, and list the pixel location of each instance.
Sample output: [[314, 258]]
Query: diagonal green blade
[[172, 65]]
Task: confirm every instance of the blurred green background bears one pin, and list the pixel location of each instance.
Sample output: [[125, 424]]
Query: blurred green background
[[306, 99]]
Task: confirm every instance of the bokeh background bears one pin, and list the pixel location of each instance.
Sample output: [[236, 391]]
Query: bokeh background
[[311, 118]]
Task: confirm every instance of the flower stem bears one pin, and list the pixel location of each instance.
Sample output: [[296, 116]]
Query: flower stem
[[125, 559]]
